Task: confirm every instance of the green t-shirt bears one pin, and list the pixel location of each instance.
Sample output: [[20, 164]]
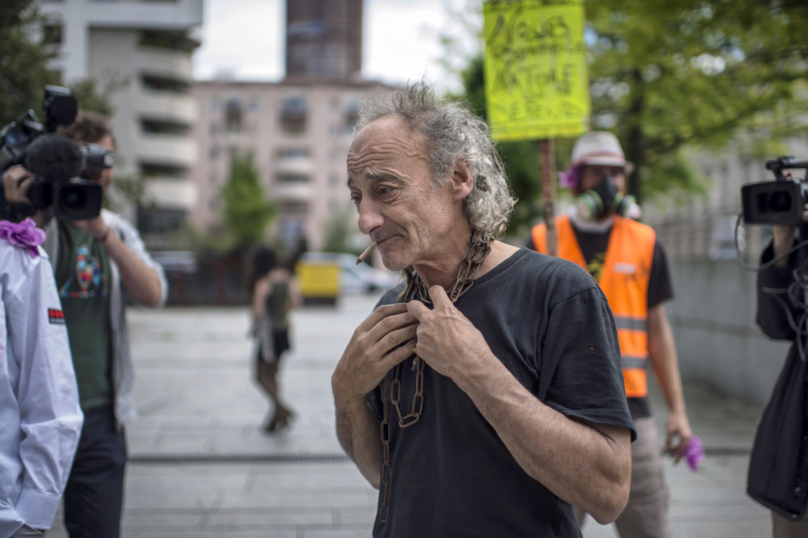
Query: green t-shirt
[[83, 279]]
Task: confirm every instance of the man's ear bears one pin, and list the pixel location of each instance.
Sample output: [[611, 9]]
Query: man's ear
[[462, 180]]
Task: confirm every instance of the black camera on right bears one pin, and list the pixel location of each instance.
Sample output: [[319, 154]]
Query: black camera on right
[[60, 167], [779, 202]]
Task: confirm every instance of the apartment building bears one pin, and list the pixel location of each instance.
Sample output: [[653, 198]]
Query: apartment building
[[299, 134], [144, 47]]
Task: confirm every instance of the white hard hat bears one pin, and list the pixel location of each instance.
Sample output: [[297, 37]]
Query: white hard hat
[[599, 147]]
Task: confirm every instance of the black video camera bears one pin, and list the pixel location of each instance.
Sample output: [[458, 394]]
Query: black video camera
[[55, 160], [777, 202]]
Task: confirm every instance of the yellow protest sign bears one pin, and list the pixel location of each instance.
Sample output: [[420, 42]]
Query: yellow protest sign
[[536, 81]]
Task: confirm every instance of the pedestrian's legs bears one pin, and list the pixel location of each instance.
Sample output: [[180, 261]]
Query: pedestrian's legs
[[93, 498], [268, 378], [785, 528], [646, 515]]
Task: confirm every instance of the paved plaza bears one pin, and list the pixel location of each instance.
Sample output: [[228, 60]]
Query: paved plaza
[[201, 466]]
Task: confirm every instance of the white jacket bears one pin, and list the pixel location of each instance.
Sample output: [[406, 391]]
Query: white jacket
[[123, 375], [40, 417]]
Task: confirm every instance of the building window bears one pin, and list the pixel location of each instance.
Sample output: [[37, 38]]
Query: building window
[[292, 178], [213, 179], [293, 153], [333, 179], [159, 220], [167, 39], [293, 115], [233, 116], [162, 170], [214, 152], [52, 33], [351, 115], [166, 127], [156, 83]]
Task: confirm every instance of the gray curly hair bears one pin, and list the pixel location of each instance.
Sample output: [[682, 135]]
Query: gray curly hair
[[453, 134]]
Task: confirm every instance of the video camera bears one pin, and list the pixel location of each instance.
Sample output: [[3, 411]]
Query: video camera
[[55, 160], [779, 202]]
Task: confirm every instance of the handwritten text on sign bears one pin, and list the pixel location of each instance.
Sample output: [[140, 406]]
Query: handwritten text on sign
[[535, 68]]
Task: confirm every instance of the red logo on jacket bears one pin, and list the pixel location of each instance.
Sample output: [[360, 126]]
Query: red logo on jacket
[[56, 316]]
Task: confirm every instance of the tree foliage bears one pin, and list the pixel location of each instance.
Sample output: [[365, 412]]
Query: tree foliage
[[23, 60], [247, 213], [670, 75]]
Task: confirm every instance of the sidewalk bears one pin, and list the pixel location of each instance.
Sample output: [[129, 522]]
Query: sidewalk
[[200, 465]]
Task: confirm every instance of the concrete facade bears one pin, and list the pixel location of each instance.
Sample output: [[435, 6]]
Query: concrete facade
[[144, 48], [299, 135]]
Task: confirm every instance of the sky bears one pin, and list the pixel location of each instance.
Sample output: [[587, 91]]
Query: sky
[[244, 39]]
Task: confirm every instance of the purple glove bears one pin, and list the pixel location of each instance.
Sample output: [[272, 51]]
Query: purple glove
[[24, 235], [694, 453]]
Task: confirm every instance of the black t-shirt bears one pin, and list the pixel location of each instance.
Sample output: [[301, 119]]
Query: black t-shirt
[[551, 326], [660, 288]]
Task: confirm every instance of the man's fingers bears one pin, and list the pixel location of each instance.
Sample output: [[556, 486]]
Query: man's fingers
[[389, 324], [397, 355], [417, 309], [394, 338], [379, 314], [438, 295]]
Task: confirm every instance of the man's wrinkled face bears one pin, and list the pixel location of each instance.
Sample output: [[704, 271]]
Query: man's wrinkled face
[[594, 174], [104, 176], [399, 204]]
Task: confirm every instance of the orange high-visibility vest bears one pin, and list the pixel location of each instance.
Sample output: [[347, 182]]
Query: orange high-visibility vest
[[624, 281]]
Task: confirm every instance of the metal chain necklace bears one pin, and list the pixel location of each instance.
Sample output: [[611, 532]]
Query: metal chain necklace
[[391, 385]]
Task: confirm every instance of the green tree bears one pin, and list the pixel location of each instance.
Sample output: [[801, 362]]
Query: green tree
[[246, 213], [667, 75], [671, 75], [340, 228], [23, 61]]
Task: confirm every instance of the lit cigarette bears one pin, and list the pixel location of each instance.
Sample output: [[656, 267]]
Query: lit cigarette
[[365, 254]]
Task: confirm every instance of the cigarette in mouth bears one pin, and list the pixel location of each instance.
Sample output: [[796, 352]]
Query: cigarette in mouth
[[365, 254]]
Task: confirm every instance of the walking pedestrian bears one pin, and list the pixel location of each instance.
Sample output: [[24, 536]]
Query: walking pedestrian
[[274, 293]]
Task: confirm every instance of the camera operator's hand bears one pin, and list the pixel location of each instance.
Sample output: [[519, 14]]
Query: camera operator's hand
[[784, 239], [95, 227], [16, 182]]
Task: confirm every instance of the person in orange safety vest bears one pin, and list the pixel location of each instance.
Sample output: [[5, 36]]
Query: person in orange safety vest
[[630, 266]]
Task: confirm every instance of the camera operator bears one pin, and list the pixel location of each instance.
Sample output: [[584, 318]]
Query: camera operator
[[95, 261], [778, 467]]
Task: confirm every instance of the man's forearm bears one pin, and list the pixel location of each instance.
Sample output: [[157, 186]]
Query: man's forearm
[[359, 434], [582, 465], [140, 280]]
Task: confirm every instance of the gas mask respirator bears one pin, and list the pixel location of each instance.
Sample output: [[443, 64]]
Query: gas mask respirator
[[602, 201]]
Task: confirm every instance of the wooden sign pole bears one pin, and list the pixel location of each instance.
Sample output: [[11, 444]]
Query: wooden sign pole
[[548, 172]]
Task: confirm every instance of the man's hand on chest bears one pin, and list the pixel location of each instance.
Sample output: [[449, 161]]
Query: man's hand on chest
[[446, 339]]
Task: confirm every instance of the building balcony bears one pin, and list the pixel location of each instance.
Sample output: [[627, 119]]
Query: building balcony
[[292, 192], [169, 62], [175, 107], [170, 193], [294, 166], [176, 14], [168, 149]]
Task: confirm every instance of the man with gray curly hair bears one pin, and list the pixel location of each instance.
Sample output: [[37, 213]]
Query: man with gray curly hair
[[494, 409]]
